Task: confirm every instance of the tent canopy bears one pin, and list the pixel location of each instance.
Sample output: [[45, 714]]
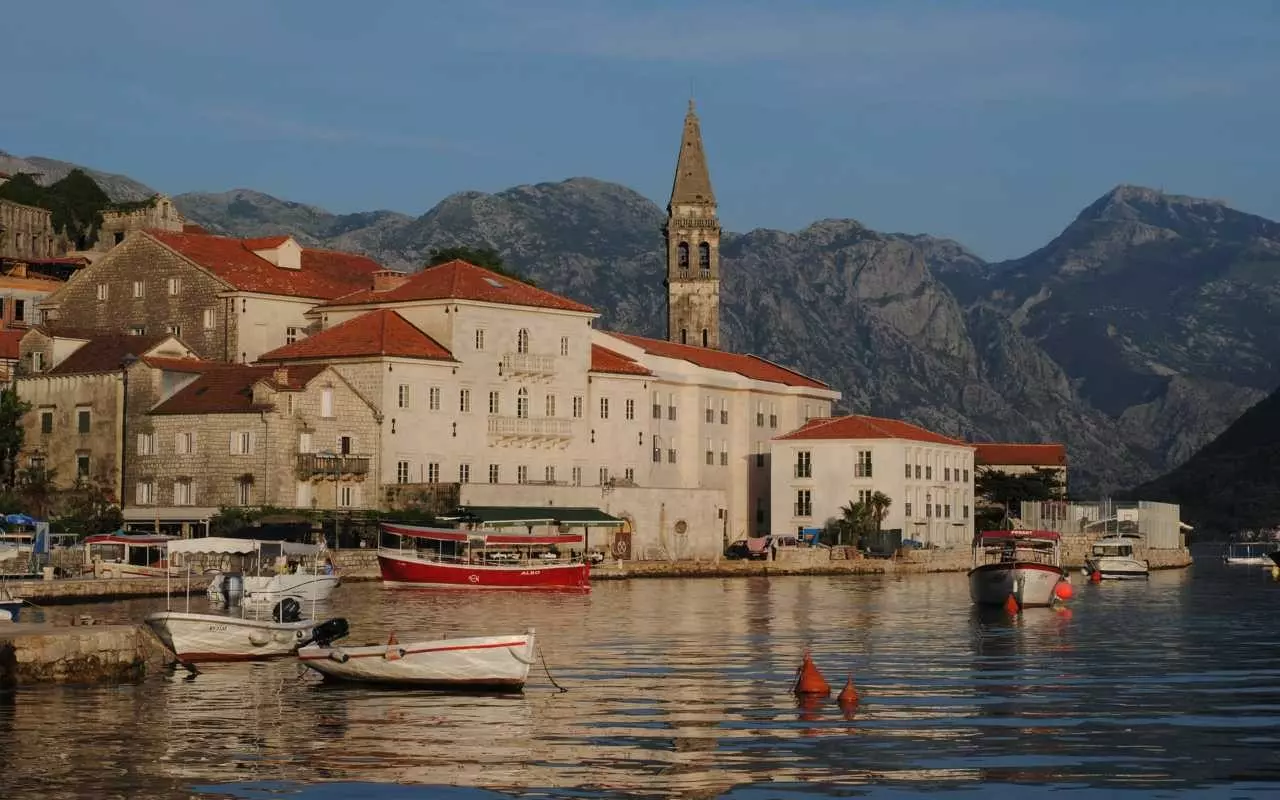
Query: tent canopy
[[499, 516], [227, 545]]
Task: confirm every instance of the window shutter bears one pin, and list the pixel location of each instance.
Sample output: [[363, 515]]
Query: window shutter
[[137, 491], [233, 443], [252, 440], [142, 444]]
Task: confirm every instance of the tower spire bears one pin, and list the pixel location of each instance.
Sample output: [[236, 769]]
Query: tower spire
[[692, 184], [693, 245]]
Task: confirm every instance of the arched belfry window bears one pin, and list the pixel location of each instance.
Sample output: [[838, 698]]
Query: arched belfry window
[[704, 338], [682, 255], [704, 258], [522, 403], [522, 341], [684, 336]]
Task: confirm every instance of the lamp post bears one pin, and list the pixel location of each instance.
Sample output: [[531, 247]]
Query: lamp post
[[125, 363]]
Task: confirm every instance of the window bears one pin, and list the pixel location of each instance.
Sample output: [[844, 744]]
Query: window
[[966, 476], [433, 398], [671, 406], [464, 473], [522, 474], [906, 509], [522, 403], [83, 420], [326, 403], [604, 408], [118, 237], [37, 362], [704, 259], [184, 444], [759, 415], [710, 454], [210, 319], [804, 503], [464, 401], [479, 338], [82, 466], [244, 492], [175, 286], [724, 411], [657, 406], [759, 454], [946, 511], [917, 472], [928, 472], [495, 404], [138, 330], [657, 454], [604, 476], [304, 443], [629, 474], [966, 511], [928, 509], [147, 444], [709, 415], [705, 338], [864, 496], [937, 509], [773, 416], [241, 443], [946, 473], [577, 476], [402, 472], [173, 330], [493, 473], [724, 452], [908, 470], [182, 494], [433, 472], [139, 288], [862, 467], [402, 396], [631, 408], [671, 455], [682, 255], [684, 336], [550, 406], [290, 335], [103, 291], [144, 493], [522, 341], [804, 464], [46, 422], [550, 473], [577, 407], [347, 496], [564, 345], [345, 445]]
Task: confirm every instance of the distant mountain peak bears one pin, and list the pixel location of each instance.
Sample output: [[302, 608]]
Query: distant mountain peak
[[1128, 202]]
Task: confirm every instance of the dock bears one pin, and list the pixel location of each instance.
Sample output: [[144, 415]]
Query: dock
[[94, 590], [42, 654]]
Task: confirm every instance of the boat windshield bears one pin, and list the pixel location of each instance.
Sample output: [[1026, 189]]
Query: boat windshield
[[1113, 550]]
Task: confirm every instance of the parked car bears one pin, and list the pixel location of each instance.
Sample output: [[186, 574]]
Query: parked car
[[741, 550]]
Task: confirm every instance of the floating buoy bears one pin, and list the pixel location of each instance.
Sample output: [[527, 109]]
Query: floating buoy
[[1011, 605], [391, 639], [1095, 576], [848, 695], [809, 680], [1063, 591]]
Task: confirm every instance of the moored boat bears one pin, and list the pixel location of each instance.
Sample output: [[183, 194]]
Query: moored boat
[[126, 555], [270, 572], [1024, 564], [1249, 552], [1114, 558], [10, 606], [447, 557], [477, 663]]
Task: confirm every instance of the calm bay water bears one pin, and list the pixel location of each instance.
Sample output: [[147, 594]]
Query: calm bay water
[[1169, 688]]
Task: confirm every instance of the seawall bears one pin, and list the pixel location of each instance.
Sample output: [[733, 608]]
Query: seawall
[[91, 590], [35, 654]]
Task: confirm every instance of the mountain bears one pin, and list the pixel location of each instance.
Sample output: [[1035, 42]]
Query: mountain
[[120, 188]]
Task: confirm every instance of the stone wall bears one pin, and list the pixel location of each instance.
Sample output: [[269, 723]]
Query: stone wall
[[160, 214], [27, 232], [34, 654], [60, 399]]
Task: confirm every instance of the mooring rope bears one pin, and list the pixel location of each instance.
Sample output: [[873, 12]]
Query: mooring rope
[[545, 669]]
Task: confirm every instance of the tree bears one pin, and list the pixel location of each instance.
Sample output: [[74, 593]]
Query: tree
[[86, 509], [37, 490], [859, 519], [485, 257], [1005, 493], [12, 435], [878, 506]]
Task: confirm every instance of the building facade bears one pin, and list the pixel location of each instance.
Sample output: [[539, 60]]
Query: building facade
[[826, 464], [692, 235], [26, 232], [157, 214]]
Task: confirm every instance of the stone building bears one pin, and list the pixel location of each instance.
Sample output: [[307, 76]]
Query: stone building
[[26, 232], [230, 299], [157, 214], [693, 246], [21, 291]]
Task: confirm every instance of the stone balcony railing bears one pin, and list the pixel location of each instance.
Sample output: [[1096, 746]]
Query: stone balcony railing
[[545, 429], [320, 465], [528, 364]]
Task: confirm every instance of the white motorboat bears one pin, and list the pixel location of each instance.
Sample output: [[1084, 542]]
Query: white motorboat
[[478, 663], [1023, 564], [272, 571], [10, 606], [1114, 557], [1249, 552]]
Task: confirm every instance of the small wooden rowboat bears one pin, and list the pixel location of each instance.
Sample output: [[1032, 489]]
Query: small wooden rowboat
[[478, 663]]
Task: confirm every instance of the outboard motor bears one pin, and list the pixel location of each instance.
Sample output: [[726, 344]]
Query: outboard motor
[[287, 610], [232, 589], [327, 632]]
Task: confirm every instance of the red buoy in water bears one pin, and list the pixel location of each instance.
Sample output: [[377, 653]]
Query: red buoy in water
[[809, 680], [1095, 576], [1063, 591], [1011, 605], [848, 695]]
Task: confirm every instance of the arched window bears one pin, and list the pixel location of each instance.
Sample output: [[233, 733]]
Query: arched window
[[704, 338], [684, 336], [704, 258], [522, 341], [682, 255], [522, 403]]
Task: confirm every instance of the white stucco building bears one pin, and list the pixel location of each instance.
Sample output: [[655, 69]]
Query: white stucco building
[[829, 463]]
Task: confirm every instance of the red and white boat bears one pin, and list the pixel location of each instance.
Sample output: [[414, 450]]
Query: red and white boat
[[127, 555], [477, 663], [1022, 563], [448, 557]]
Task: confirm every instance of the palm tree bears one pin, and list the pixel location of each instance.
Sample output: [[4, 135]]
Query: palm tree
[[856, 517], [879, 503]]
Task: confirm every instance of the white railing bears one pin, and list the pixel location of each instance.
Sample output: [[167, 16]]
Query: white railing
[[525, 427], [527, 364]]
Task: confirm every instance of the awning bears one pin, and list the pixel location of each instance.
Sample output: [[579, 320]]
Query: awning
[[499, 516], [224, 544], [168, 514], [147, 540]]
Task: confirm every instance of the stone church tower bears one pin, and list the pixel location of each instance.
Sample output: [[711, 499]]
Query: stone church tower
[[693, 246]]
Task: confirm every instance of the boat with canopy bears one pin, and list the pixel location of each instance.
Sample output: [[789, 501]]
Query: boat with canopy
[[266, 572], [1024, 564], [450, 557], [126, 555]]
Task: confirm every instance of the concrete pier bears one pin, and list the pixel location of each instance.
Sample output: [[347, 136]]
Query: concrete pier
[[35, 654], [92, 590]]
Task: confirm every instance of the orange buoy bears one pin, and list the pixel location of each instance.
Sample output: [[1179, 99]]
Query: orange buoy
[[1095, 576], [809, 680], [1063, 591], [1011, 605], [848, 695]]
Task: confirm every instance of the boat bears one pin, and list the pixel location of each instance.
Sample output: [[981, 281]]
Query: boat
[[1249, 552], [126, 555], [271, 571], [449, 557], [200, 637], [1113, 557], [478, 663], [10, 606], [1023, 564]]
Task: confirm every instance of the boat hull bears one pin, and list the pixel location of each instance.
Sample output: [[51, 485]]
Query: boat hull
[[481, 663], [1031, 584], [10, 609], [1247, 561], [271, 589], [212, 637], [1118, 568], [402, 569]]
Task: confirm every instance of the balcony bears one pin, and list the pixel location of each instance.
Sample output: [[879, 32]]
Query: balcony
[[528, 364], [545, 429], [320, 465]]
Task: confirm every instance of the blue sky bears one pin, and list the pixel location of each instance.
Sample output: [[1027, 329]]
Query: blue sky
[[990, 122]]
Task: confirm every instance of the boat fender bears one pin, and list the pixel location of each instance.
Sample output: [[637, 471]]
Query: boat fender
[[394, 653], [339, 656], [258, 638]]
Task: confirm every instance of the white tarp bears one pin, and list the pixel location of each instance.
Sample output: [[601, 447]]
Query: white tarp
[[228, 545]]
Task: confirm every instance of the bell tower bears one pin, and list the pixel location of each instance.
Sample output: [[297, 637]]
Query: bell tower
[[693, 246]]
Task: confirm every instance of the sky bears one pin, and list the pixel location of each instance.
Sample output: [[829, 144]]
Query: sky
[[993, 123]]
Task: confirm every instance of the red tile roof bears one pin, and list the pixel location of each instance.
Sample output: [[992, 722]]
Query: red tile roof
[[746, 365], [459, 280], [228, 389], [10, 338], [605, 360], [325, 274], [104, 352], [858, 426], [378, 333], [1004, 454], [180, 364]]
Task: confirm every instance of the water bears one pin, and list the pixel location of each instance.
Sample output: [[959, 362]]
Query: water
[[681, 689]]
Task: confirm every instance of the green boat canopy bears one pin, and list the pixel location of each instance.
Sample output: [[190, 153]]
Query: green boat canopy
[[499, 516]]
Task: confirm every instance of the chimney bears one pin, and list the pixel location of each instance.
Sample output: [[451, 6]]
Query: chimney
[[384, 280], [280, 376]]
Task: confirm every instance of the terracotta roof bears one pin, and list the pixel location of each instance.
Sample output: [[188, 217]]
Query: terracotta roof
[[1006, 454], [10, 338], [325, 274], [858, 426], [605, 360], [459, 280], [104, 352], [748, 366], [228, 389], [378, 333], [191, 227], [180, 364]]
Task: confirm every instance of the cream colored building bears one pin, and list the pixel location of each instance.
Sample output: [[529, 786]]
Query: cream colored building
[[829, 463]]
